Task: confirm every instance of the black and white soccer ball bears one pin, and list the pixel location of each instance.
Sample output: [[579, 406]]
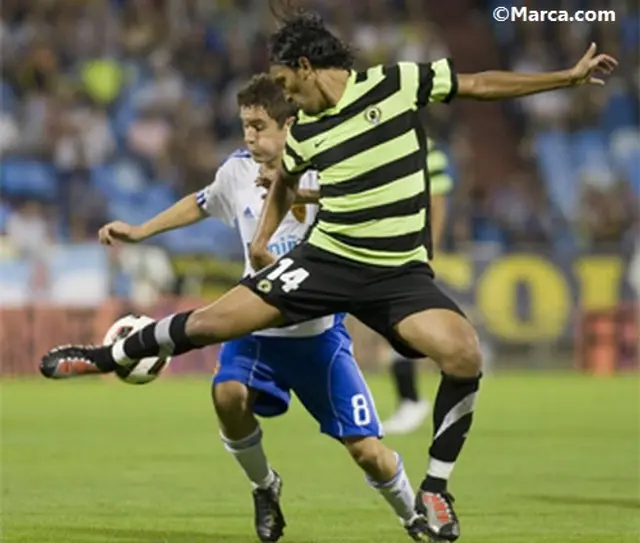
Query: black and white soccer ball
[[138, 372]]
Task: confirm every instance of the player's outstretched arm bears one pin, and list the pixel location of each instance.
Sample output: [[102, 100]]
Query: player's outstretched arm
[[183, 213], [281, 196], [494, 85]]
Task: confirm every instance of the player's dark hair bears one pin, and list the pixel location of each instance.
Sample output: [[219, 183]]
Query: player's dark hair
[[262, 91], [304, 34]]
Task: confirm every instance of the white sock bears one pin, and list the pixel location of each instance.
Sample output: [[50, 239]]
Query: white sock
[[398, 493], [249, 454], [440, 469]]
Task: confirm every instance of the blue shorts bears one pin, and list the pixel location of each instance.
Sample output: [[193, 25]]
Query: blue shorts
[[320, 370]]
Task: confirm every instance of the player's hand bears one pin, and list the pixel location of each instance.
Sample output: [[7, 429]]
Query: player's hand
[[265, 179], [264, 182], [266, 176], [260, 257], [119, 231], [583, 72]]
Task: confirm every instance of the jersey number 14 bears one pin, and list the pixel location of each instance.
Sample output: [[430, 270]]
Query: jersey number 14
[[291, 280]]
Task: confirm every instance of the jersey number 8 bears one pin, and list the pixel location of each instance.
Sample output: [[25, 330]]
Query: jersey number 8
[[291, 280], [361, 413]]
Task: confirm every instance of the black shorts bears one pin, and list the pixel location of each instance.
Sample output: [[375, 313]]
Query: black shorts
[[308, 282]]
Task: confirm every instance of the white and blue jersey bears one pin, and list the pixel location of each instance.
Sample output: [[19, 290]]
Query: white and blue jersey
[[314, 359], [233, 197]]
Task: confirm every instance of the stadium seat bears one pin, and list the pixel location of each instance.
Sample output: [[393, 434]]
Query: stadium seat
[[209, 236], [5, 211], [29, 179], [589, 150], [123, 209], [158, 197], [7, 98], [553, 153], [625, 153], [123, 180], [620, 111]]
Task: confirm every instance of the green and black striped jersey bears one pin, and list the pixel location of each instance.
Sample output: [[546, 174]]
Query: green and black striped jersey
[[437, 164], [371, 154]]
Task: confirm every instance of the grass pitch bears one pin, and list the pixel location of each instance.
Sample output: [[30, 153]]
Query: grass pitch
[[551, 458]]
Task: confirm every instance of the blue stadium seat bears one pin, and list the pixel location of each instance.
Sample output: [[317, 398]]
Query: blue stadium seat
[[589, 150], [554, 159], [625, 153], [29, 179], [620, 111], [209, 236], [125, 210], [123, 179], [7, 97], [5, 212], [159, 197]]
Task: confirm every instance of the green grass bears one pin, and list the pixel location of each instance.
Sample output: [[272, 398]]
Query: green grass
[[551, 458]]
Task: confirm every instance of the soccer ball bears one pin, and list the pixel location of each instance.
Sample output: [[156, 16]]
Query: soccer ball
[[141, 371]]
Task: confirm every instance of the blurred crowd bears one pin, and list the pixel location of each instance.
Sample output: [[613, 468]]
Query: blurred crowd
[[582, 146], [115, 108]]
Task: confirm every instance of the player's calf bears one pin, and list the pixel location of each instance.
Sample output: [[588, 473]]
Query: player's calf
[[385, 472], [450, 340], [378, 461], [242, 437]]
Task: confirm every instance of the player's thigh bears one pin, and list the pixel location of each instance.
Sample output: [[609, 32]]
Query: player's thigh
[[237, 313], [331, 387], [303, 284], [245, 380], [417, 317]]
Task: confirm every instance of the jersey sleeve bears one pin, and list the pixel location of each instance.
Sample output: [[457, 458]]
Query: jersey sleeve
[[309, 180], [216, 199], [293, 159], [430, 82], [437, 164]]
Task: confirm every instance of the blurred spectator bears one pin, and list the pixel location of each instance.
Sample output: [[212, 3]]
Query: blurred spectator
[[82, 135], [28, 231]]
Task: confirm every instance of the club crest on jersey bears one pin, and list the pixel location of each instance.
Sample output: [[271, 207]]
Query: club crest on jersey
[[264, 286], [299, 212], [373, 114]]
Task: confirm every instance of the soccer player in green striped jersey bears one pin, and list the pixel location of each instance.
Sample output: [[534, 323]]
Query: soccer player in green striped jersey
[[369, 250]]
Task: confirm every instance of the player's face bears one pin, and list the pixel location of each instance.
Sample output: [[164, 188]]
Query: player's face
[[300, 86], [262, 134]]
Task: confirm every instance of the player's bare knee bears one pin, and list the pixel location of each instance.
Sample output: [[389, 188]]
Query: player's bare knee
[[463, 357], [367, 452], [231, 401]]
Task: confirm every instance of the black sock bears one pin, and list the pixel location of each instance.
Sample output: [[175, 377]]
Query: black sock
[[168, 333], [403, 372], [452, 417]]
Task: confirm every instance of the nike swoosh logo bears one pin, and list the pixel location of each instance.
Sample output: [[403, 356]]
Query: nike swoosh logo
[[319, 143]]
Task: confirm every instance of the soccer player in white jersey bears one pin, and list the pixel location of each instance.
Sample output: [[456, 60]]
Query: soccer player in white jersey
[[257, 373]]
